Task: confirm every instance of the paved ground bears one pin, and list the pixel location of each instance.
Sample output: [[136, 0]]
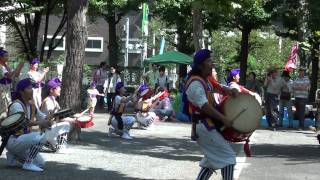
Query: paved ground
[[165, 152], [162, 152]]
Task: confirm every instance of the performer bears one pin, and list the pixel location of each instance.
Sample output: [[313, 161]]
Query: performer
[[57, 139], [6, 76], [38, 78], [162, 106], [92, 97], [145, 100], [218, 154], [24, 145], [233, 82], [120, 124]]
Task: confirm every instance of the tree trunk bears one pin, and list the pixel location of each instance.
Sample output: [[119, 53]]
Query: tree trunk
[[113, 43], [183, 46], [302, 30], [76, 43], [315, 71], [244, 53], [197, 25]]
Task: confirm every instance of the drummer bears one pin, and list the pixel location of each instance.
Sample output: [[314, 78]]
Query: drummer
[[57, 139], [6, 77], [218, 154], [145, 101], [233, 82], [24, 146], [120, 124]]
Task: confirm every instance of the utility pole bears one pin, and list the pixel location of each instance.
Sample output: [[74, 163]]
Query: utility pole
[[126, 58]]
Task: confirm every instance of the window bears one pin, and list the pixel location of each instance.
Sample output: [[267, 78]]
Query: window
[[94, 44], [61, 45]]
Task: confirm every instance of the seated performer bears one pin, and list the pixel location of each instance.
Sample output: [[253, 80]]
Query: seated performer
[[120, 124], [24, 145], [145, 100], [218, 154], [58, 139], [162, 106]]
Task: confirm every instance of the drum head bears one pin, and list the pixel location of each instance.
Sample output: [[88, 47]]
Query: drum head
[[246, 112], [84, 118], [12, 120]]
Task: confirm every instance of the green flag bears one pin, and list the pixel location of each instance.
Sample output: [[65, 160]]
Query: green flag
[[145, 21]]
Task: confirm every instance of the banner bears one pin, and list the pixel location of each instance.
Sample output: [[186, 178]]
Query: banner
[[292, 59]]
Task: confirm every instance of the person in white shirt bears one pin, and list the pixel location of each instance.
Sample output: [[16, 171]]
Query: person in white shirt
[[23, 147], [109, 86], [38, 77], [99, 77], [163, 80]]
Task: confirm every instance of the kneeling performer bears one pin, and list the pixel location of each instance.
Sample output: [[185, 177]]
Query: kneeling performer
[[24, 146], [58, 133], [120, 124]]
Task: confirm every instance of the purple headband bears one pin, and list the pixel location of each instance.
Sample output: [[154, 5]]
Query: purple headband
[[54, 83], [23, 84], [35, 61], [200, 56], [93, 84], [143, 90], [233, 73], [119, 85], [3, 53]]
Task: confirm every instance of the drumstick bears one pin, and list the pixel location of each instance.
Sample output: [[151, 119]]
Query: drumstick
[[81, 114]]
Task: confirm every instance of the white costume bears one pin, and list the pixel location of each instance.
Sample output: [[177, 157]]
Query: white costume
[[5, 98], [217, 152], [128, 121], [51, 105], [35, 75]]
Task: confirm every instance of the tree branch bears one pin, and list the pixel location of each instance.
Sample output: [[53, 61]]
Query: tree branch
[[16, 26], [45, 30]]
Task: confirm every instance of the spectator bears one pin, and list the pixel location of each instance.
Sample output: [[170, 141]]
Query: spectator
[[109, 86], [163, 79], [301, 87], [253, 84], [285, 99], [151, 76], [100, 75]]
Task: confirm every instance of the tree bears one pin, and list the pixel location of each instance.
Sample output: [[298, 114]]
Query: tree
[[28, 30], [76, 43], [112, 11]]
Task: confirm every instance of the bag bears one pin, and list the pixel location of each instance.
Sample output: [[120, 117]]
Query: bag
[[285, 96]]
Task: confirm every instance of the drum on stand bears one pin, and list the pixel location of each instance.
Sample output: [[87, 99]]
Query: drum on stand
[[246, 112], [64, 113], [84, 122]]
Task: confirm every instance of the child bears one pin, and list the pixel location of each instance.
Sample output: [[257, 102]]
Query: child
[[120, 124], [92, 97]]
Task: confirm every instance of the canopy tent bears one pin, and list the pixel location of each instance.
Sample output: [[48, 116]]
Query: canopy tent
[[170, 57]]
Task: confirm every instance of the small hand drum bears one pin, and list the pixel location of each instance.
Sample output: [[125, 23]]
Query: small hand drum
[[13, 123]]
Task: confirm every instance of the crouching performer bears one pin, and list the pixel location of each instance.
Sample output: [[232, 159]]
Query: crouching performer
[[118, 123], [57, 135], [24, 146]]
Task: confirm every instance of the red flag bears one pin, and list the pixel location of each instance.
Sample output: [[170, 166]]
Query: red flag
[[292, 59]]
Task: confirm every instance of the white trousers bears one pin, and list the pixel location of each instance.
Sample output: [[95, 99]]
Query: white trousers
[[217, 152], [56, 130], [37, 97], [128, 122], [146, 119], [20, 146]]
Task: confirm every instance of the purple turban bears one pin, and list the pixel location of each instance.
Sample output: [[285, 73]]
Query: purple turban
[[143, 90], [93, 84], [23, 84], [233, 73], [54, 83], [3, 53], [35, 61], [119, 85], [200, 56]]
